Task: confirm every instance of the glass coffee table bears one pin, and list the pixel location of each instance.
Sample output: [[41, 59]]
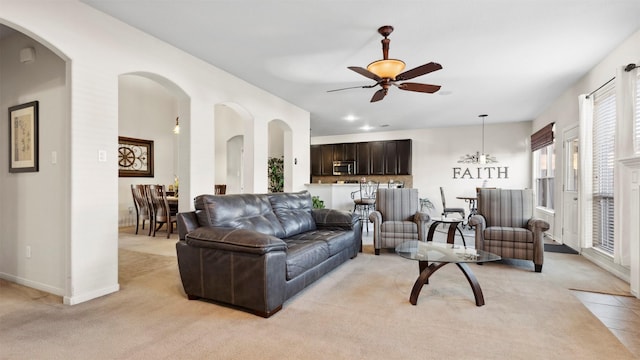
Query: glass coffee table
[[432, 256]]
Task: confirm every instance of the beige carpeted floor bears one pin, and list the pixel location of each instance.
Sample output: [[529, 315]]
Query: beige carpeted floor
[[360, 310]]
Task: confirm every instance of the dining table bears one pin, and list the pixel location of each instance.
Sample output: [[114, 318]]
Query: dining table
[[472, 200]]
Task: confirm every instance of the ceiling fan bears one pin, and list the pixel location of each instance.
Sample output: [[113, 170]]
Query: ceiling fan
[[387, 72]]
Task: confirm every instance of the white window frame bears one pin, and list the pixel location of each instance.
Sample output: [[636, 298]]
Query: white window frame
[[544, 177]]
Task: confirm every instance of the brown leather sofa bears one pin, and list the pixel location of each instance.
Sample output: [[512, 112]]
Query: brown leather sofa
[[255, 251]]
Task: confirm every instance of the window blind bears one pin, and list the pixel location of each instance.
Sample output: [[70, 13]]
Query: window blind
[[542, 138], [604, 126]]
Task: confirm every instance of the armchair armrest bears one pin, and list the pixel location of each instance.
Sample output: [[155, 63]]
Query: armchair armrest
[[536, 224], [335, 218], [230, 239], [480, 223], [421, 217]]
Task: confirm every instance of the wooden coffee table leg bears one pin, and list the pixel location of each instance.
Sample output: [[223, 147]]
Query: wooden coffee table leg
[[475, 286], [425, 273]]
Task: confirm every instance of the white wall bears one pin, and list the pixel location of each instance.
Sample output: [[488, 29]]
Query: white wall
[[34, 211], [436, 151], [98, 49]]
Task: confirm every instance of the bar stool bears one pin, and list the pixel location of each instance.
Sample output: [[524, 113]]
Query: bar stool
[[364, 201]]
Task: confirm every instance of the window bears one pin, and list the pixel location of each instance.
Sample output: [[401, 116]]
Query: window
[[604, 128], [545, 161]]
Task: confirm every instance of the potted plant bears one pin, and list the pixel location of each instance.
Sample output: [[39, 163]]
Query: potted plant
[[276, 174], [317, 203]]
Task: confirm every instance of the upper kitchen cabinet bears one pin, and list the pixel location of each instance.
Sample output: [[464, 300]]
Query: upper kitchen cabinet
[[321, 160], [391, 157], [344, 152], [363, 159], [378, 157], [403, 151]]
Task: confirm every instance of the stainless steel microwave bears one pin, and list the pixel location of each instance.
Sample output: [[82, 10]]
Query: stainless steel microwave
[[344, 167]]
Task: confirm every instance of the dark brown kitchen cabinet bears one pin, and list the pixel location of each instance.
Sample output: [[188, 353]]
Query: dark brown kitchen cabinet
[[316, 160], [344, 152], [377, 155], [327, 159], [403, 151], [391, 157], [363, 159]]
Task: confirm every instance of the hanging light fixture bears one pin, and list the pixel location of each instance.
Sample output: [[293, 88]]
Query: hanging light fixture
[[479, 157], [176, 129]]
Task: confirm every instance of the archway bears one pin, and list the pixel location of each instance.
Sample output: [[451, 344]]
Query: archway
[[233, 148], [36, 210], [280, 147]]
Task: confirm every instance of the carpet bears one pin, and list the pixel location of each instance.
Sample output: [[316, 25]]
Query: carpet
[[559, 248], [359, 310]]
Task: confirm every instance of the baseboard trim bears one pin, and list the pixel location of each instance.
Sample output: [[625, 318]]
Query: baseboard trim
[[77, 299], [33, 284], [606, 262]]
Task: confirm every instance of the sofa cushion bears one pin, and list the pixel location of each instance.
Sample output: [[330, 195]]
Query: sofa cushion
[[303, 255], [293, 210], [240, 211], [508, 234], [336, 239]]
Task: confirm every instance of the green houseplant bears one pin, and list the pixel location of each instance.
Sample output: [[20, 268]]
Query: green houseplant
[[317, 203], [276, 174]]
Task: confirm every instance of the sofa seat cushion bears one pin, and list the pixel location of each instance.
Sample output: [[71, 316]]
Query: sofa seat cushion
[[399, 227], [303, 255], [293, 210], [513, 234], [336, 239]]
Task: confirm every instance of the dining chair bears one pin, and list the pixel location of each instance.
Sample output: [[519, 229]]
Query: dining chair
[[447, 210], [161, 210], [142, 205], [220, 189]]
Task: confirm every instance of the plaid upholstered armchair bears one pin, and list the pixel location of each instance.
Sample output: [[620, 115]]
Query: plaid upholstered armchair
[[505, 225], [397, 218]]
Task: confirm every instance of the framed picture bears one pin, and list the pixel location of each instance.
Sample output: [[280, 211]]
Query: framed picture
[[135, 157], [23, 138]]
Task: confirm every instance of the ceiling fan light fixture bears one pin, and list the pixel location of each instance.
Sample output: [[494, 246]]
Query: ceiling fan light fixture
[[387, 68]]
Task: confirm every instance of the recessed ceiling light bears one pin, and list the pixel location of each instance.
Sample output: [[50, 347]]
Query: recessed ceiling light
[[350, 118], [366, 128]]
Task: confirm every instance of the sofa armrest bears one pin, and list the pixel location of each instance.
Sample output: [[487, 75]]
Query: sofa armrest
[[335, 218], [187, 222], [230, 239]]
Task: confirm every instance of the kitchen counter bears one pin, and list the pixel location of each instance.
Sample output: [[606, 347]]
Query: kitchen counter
[[335, 196]]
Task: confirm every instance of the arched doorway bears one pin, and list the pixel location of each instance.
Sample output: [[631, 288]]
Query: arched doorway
[[280, 147], [233, 148]]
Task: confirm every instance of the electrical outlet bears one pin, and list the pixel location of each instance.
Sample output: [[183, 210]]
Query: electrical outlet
[[28, 252], [130, 210]]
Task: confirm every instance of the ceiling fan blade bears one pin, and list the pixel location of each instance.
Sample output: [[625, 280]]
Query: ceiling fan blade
[[354, 87], [379, 95], [418, 71], [425, 88], [364, 72]]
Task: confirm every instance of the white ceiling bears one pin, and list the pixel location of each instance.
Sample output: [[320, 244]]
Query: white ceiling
[[506, 58]]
